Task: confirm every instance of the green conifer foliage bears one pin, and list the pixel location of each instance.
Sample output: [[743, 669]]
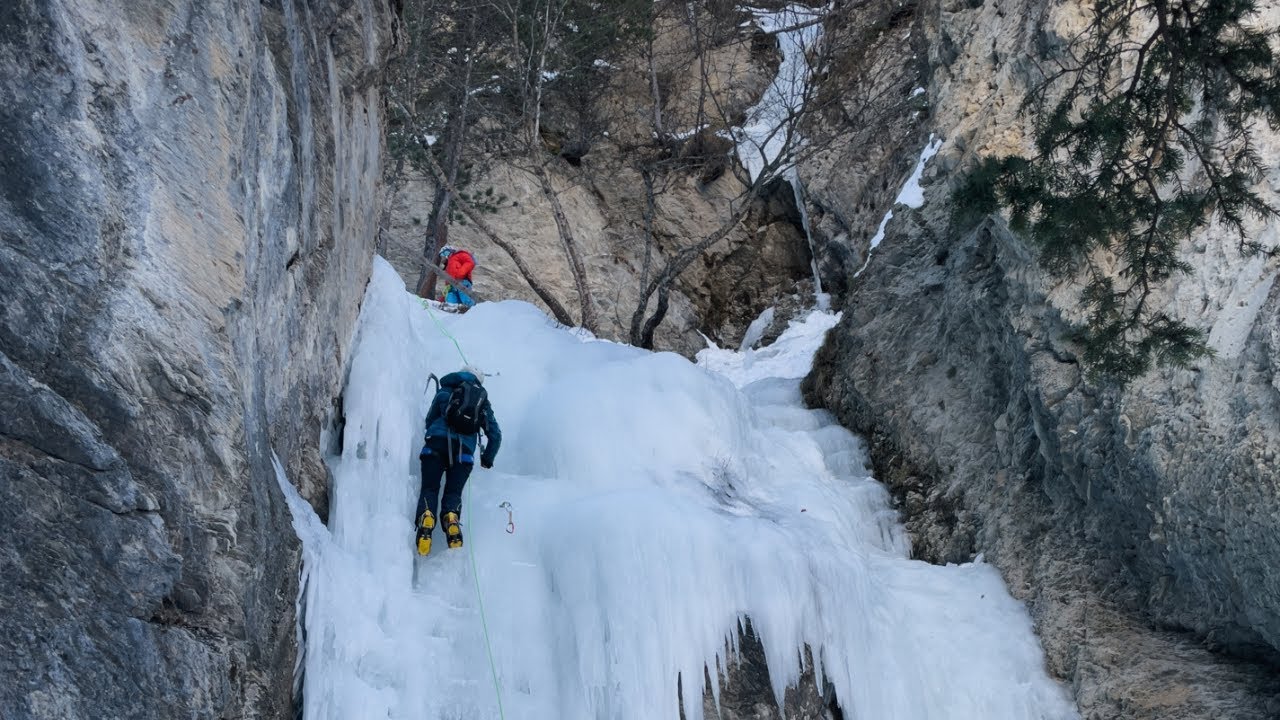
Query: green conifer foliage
[[1144, 133]]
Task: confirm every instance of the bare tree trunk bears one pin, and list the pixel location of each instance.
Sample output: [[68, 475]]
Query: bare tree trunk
[[655, 93], [660, 312], [650, 210], [535, 68], [691, 13], [642, 328], [570, 246], [438, 228], [536, 127], [557, 310], [384, 221], [662, 282], [437, 236], [538, 47]]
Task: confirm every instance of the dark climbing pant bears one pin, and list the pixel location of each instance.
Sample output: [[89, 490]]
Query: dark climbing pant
[[455, 464]]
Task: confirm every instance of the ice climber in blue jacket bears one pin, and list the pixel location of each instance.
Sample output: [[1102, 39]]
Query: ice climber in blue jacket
[[459, 413]]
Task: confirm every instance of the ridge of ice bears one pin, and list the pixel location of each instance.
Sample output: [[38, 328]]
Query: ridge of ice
[[657, 505]]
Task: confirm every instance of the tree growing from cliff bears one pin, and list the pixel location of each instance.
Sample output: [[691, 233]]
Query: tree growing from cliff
[[436, 93], [528, 82], [787, 133], [1145, 133], [564, 43], [473, 84]]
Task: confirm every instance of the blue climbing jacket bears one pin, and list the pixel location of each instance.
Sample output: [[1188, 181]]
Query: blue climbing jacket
[[437, 428], [458, 295]]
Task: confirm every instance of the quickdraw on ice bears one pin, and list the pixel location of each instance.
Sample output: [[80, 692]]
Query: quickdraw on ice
[[511, 523]]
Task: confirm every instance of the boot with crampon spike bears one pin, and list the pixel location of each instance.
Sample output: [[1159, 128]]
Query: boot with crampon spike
[[452, 530], [426, 524]]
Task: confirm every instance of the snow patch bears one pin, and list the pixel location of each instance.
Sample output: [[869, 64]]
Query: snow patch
[[756, 329], [911, 195], [879, 236]]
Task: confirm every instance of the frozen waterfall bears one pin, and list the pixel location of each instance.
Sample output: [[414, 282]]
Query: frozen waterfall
[[656, 505]]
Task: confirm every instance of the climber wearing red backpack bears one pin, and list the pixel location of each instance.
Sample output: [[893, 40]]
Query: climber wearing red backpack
[[459, 412], [458, 264]]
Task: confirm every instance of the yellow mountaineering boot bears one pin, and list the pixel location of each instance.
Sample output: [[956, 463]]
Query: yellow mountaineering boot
[[452, 530], [426, 524]]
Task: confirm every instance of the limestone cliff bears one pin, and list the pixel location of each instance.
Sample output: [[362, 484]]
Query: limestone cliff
[[187, 205], [1140, 525], [765, 261]]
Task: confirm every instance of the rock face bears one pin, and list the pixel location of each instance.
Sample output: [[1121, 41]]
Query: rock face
[[745, 692], [1140, 525], [760, 264], [765, 261], [187, 206], [879, 130]]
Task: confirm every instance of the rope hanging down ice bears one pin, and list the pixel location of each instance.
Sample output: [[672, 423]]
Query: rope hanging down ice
[[475, 574]]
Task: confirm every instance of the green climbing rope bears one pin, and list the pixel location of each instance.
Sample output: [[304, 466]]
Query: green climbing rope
[[475, 573], [427, 305]]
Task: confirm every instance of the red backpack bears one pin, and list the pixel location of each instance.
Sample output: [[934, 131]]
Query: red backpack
[[459, 265]]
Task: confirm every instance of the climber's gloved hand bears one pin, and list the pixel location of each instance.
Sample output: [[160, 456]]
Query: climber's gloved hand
[[486, 463]]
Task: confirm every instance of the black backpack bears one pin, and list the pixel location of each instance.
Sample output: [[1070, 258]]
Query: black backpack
[[464, 413]]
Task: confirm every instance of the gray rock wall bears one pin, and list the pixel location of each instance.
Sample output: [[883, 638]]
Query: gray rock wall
[[876, 132], [1140, 525], [187, 205], [763, 262], [746, 693], [952, 364]]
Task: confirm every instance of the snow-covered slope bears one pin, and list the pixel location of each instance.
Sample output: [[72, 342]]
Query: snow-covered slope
[[656, 503]]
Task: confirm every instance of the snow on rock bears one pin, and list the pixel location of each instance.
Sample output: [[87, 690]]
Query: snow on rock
[[757, 328], [657, 504], [911, 195], [766, 133]]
